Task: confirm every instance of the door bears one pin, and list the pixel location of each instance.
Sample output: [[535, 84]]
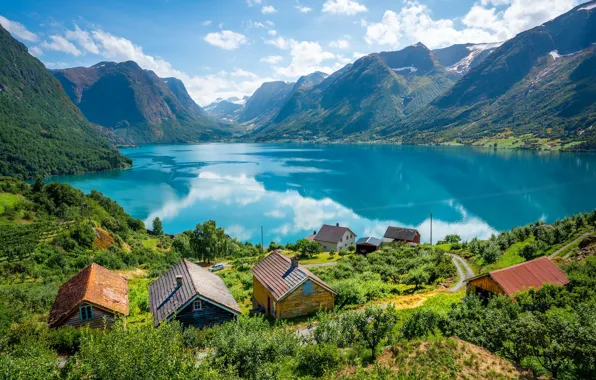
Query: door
[[268, 305]]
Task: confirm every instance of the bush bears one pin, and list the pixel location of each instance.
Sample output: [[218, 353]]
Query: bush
[[318, 359], [421, 324]]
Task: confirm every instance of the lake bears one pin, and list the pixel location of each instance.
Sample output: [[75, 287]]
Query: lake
[[292, 189]]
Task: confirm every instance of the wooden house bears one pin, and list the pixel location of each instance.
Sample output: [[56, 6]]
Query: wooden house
[[285, 289], [335, 237], [94, 297], [398, 234], [518, 278], [367, 245], [192, 295]]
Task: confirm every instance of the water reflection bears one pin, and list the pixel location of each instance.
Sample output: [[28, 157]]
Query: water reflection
[[291, 190]]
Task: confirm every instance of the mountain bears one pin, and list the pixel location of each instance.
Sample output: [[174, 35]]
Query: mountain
[[227, 110], [461, 58], [265, 102], [41, 131], [543, 82], [375, 92], [137, 105], [309, 81]]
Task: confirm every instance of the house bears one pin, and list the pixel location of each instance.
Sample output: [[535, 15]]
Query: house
[[518, 278], [285, 289], [335, 237], [368, 245], [398, 234], [94, 297], [192, 295]]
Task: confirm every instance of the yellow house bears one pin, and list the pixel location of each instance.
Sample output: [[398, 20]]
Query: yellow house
[[285, 289]]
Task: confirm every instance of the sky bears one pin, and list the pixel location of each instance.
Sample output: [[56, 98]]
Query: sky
[[227, 48]]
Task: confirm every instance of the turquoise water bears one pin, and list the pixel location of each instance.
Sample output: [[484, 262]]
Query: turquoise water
[[291, 190]]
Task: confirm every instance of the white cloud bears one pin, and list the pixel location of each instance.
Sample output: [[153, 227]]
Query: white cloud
[[346, 7], [340, 44], [207, 23], [272, 59], [239, 232], [280, 42], [18, 30], [268, 9], [239, 73], [83, 39], [36, 51], [272, 32], [307, 57], [60, 43], [303, 9], [253, 2], [482, 23], [357, 55], [226, 39]]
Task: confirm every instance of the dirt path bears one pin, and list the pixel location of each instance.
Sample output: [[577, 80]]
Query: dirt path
[[331, 263], [569, 244], [464, 271]]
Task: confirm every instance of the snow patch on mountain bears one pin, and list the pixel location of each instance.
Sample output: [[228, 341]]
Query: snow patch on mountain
[[555, 54], [465, 64], [412, 69]]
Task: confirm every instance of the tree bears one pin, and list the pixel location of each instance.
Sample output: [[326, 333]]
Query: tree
[[451, 239], [181, 245], [491, 253], [208, 241], [157, 226], [417, 276], [374, 325], [38, 185], [529, 251]]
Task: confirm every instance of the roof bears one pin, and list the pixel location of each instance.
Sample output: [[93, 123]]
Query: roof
[[331, 234], [398, 233], [196, 281], [94, 285], [310, 237], [276, 273], [531, 274], [369, 240]]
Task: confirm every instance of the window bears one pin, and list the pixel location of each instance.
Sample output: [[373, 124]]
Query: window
[[197, 305], [86, 312], [307, 288]]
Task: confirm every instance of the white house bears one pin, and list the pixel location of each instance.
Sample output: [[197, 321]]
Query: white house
[[335, 237]]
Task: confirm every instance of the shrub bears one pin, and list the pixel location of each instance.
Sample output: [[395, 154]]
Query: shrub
[[420, 324], [318, 359]]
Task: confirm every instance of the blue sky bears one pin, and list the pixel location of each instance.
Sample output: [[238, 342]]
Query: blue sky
[[223, 48]]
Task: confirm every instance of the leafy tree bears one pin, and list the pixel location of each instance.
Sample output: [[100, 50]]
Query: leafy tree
[[208, 241], [374, 325], [417, 276], [181, 245], [157, 226], [491, 253], [529, 251], [451, 239], [318, 359]]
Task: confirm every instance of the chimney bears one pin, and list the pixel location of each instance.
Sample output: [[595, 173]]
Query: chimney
[[294, 261], [178, 281], [337, 224], [315, 232]]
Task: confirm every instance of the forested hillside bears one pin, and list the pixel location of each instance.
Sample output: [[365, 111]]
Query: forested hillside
[[41, 131]]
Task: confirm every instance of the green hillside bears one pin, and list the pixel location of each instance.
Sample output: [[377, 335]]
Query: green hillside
[[41, 131]]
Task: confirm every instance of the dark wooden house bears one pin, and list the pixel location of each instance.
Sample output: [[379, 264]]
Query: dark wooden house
[[518, 278], [192, 295], [398, 234], [94, 297], [285, 289], [367, 245]]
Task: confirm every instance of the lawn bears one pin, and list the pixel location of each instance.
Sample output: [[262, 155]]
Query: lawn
[[509, 258], [7, 199], [150, 243], [321, 258]]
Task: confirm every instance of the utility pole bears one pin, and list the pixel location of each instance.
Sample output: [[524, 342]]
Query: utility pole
[[431, 228], [262, 248]]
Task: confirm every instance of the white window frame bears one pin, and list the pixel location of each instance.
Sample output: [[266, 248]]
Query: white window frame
[[194, 305]]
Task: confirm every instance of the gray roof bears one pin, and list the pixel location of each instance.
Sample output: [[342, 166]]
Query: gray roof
[[276, 273], [398, 233], [370, 240], [331, 234], [196, 281]]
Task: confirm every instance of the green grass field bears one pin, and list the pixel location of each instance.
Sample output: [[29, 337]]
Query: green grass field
[[509, 258], [150, 243], [7, 199]]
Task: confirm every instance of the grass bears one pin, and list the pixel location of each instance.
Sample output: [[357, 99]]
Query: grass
[[150, 243], [322, 258], [509, 258], [7, 199]]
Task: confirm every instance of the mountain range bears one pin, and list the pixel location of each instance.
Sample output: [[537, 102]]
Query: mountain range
[[137, 105], [41, 131]]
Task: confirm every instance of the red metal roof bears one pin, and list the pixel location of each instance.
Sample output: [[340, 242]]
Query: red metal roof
[[276, 273], [531, 274], [94, 284]]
